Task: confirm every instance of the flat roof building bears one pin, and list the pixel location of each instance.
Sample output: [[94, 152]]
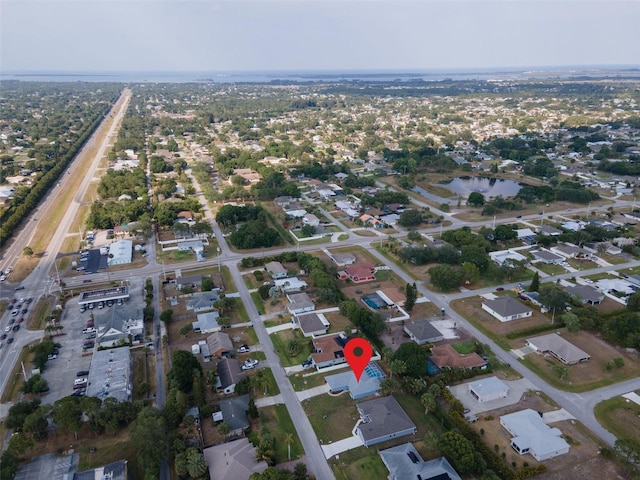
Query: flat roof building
[[110, 374]]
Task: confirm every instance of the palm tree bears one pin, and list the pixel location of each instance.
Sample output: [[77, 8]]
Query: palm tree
[[428, 402], [397, 366], [288, 439], [196, 465]]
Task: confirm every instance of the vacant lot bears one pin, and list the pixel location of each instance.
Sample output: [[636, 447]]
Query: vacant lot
[[277, 420], [281, 342], [620, 416]]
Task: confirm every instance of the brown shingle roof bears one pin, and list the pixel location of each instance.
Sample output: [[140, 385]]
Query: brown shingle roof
[[446, 356]]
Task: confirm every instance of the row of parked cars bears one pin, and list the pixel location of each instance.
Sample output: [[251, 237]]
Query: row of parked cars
[[100, 305], [18, 308]]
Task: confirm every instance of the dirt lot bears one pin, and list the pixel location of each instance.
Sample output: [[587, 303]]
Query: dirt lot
[[581, 461]]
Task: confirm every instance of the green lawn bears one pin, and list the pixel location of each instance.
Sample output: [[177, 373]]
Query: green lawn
[[239, 314], [465, 348], [300, 382], [271, 387], [277, 420], [359, 463], [550, 269], [620, 416], [255, 296], [281, 340], [332, 418]]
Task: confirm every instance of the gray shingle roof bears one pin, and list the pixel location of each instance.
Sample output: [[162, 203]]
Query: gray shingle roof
[[423, 329], [507, 306], [383, 416]]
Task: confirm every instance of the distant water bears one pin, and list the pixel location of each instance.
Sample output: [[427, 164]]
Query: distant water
[[325, 76]]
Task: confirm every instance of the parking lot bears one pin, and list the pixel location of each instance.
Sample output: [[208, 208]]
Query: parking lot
[[60, 372]]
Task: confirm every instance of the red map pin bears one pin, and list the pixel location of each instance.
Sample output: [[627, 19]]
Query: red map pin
[[358, 352]]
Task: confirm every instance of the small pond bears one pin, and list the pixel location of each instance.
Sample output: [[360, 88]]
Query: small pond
[[489, 187]]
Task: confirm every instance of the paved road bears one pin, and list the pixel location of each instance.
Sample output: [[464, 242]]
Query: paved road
[[39, 283]]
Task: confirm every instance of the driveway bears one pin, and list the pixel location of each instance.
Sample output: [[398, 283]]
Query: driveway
[[313, 392], [340, 446]]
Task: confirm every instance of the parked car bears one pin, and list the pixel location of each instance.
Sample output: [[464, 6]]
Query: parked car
[[83, 308], [15, 312], [12, 321], [21, 319], [249, 364], [28, 300], [7, 328], [89, 330], [88, 345], [3, 336], [243, 348], [52, 357], [82, 373], [307, 364], [80, 381], [101, 305], [25, 310], [79, 392], [90, 306], [20, 287], [10, 307], [120, 302]]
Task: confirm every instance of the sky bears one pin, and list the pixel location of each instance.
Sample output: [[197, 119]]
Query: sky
[[314, 35]]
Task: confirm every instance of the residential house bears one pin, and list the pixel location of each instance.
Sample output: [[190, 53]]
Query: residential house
[[186, 216], [219, 345], [207, 323], [328, 350], [423, 332], [446, 356], [390, 219], [559, 347], [203, 301], [229, 374], [570, 251], [404, 462], [506, 309], [300, 303], [311, 220], [341, 259], [488, 389], [549, 231], [392, 297], [233, 460], [276, 270], [382, 419], [290, 285], [369, 221], [526, 235], [369, 383], [585, 294], [234, 413], [247, 174], [545, 256], [361, 273], [532, 435], [191, 281], [502, 255], [312, 324], [283, 201]]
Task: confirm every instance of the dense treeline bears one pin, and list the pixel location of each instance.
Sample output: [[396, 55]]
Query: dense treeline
[[123, 182]]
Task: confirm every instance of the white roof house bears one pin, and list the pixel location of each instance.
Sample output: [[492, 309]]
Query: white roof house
[[501, 255], [532, 435], [291, 284], [488, 389], [120, 252]]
